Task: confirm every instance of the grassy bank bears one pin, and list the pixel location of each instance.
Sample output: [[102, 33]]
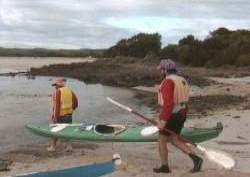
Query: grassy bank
[[118, 72]]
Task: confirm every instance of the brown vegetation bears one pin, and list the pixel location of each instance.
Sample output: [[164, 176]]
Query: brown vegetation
[[197, 105], [106, 72], [118, 72], [225, 72]]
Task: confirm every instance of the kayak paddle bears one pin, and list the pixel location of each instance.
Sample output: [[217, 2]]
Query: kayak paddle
[[216, 156]]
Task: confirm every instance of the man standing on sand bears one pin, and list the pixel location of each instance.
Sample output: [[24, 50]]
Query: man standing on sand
[[173, 98], [64, 102]]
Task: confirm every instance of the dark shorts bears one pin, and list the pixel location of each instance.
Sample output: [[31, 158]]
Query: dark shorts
[[175, 124], [65, 119]]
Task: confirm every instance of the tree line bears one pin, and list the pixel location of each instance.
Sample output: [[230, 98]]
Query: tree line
[[221, 47]]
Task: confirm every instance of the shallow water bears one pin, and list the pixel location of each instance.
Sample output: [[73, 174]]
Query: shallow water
[[18, 64], [25, 101]]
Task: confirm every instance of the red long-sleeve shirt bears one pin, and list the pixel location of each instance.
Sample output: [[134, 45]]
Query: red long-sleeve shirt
[[167, 90]]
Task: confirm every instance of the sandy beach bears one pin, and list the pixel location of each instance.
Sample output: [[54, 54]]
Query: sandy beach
[[139, 161]]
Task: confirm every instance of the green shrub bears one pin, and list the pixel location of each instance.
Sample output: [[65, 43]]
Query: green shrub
[[243, 60]]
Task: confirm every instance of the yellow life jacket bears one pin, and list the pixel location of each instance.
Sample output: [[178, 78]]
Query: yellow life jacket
[[66, 101], [181, 91]]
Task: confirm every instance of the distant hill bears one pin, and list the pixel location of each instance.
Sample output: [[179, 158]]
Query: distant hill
[[41, 52]]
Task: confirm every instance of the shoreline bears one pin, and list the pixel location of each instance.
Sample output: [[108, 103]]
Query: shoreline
[[142, 79], [139, 161], [13, 65]]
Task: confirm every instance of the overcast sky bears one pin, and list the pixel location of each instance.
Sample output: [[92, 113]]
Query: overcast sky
[[101, 23]]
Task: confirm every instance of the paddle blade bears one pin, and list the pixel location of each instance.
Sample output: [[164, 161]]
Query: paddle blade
[[148, 131], [58, 127], [221, 158]]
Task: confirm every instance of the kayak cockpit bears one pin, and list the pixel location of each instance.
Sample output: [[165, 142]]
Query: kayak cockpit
[[106, 130]]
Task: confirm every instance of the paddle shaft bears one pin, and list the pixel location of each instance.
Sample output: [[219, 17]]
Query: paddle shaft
[[148, 120], [166, 129]]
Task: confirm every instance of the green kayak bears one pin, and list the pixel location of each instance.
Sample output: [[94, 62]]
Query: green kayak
[[116, 133]]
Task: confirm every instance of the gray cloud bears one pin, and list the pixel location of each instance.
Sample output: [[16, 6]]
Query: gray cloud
[[85, 24]]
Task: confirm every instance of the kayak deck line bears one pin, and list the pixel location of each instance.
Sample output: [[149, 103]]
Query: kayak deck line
[[128, 134]]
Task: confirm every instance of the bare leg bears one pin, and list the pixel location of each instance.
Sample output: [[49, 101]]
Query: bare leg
[[54, 142], [197, 161], [68, 146], [52, 146], [181, 145], [163, 150]]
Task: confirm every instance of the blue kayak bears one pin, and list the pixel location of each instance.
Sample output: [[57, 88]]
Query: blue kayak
[[94, 170]]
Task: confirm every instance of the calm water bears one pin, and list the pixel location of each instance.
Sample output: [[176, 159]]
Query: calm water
[[26, 101], [16, 64]]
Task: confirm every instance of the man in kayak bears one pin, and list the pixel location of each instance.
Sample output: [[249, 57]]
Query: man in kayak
[[64, 102], [173, 97]]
